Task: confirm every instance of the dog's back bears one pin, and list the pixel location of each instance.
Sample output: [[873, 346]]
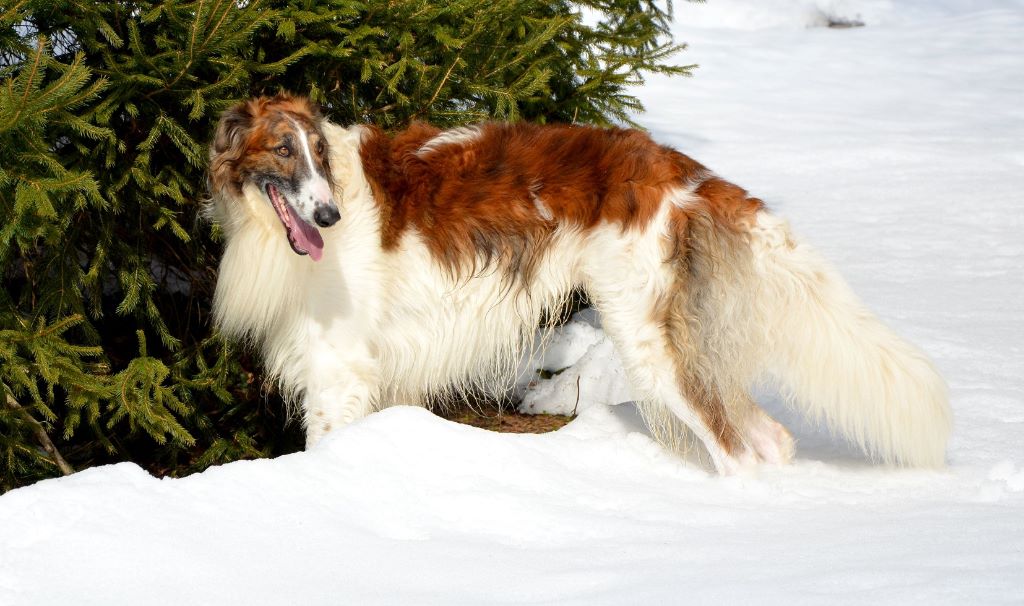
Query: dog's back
[[486, 228]]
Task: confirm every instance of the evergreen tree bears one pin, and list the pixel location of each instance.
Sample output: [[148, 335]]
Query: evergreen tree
[[106, 349]]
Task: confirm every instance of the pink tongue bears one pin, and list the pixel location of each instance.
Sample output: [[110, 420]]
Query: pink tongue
[[306, 236]]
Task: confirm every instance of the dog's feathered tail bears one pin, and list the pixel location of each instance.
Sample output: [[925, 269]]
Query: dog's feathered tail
[[838, 362], [786, 312]]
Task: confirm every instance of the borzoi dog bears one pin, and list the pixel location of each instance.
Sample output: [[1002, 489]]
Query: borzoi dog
[[373, 269]]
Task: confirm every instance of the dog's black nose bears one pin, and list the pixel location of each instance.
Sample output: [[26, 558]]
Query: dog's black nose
[[326, 216]]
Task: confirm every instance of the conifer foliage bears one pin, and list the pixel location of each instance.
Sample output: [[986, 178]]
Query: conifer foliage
[[106, 349]]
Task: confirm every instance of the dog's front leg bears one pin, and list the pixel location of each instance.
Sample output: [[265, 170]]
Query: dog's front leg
[[339, 390]]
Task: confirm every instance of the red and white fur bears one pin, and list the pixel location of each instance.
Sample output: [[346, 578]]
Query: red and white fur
[[372, 270]]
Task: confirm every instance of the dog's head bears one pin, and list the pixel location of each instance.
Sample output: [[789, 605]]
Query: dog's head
[[278, 145]]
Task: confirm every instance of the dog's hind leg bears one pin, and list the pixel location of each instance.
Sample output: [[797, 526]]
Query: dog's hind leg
[[714, 389], [663, 381], [632, 289]]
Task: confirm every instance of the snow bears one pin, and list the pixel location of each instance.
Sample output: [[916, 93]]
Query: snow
[[896, 148], [595, 375]]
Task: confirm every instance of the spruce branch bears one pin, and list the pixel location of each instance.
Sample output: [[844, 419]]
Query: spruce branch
[[440, 86], [40, 433]]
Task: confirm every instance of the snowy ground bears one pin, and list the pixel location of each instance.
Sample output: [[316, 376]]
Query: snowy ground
[[896, 148]]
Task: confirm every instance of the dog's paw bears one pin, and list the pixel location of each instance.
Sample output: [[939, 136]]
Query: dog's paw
[[771, 441]]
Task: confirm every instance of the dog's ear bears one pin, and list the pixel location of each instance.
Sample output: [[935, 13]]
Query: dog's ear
[[228, 146], [231, 130]]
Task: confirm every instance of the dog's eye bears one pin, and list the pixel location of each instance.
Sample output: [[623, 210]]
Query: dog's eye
[[320, 147], [283, 151]]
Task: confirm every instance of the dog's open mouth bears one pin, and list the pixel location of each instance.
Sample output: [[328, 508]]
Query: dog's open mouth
[[304, 238]]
